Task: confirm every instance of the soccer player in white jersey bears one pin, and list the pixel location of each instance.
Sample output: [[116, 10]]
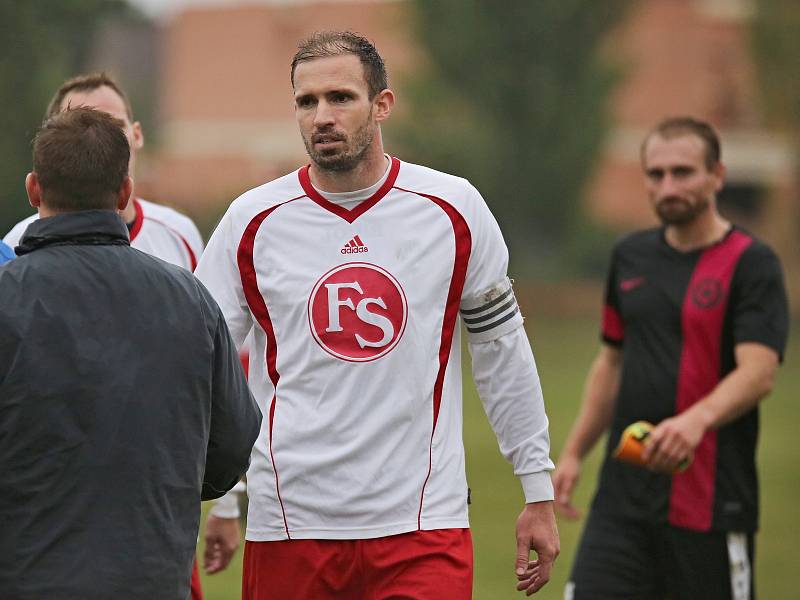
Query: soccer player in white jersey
[[154, 229], [157, 230], [351, 273]]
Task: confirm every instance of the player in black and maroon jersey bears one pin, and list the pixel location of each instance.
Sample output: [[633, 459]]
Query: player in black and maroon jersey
[[694, 326]]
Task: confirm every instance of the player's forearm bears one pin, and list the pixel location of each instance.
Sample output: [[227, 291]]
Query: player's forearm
[[741, 390], [597, 406], [508, 385]]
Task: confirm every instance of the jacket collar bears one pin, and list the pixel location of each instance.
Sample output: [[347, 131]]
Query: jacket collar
[[86, 227]]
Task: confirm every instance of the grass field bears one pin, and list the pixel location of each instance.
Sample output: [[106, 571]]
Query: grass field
[[564, 348]]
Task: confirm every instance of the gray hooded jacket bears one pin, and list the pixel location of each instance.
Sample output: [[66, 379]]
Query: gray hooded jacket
[[122, 402]]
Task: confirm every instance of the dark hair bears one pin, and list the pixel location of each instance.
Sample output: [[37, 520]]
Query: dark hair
[[86, 83], [80, 157], [336, 43], [680, 126]]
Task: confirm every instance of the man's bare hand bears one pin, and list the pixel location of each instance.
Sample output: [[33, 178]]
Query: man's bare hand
[[673, 441], [537, 531], [222, 540], [565, 478]]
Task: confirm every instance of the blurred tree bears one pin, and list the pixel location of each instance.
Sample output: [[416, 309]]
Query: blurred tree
[[41, 44], [775, 36], [514, 96], [776, 44]]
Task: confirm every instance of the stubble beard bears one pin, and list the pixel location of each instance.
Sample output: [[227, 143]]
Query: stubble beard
[[678, 211], [347, 159]]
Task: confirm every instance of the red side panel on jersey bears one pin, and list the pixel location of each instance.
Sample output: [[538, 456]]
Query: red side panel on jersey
[[137, 220], [247, 272], [703, 313], [613, 329], [463, 248], [349, 215]]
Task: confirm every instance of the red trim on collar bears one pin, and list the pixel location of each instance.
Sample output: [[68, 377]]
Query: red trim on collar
[[349, 215], [137, 220]]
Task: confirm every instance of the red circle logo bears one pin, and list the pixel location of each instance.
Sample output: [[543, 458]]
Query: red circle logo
[[357, 312]]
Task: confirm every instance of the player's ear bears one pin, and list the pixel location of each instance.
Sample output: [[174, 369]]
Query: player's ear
[[138, 136], [33, 189], [125, 192], [382, 104], [719, 173]]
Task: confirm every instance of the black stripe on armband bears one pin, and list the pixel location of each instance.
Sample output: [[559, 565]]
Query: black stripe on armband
[[495, 324], [488, 316], [488, 305]]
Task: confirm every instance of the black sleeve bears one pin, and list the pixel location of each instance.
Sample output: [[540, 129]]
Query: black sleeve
[[760, 309], [235, 418]]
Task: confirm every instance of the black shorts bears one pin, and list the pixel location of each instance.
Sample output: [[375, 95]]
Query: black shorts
[[622, 559]]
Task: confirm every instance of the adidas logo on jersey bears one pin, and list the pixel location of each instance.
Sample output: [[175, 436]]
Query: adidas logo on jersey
[[354, 246]]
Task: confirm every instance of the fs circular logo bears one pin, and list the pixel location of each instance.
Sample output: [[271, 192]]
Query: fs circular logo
[[706, 293], [357, 312]]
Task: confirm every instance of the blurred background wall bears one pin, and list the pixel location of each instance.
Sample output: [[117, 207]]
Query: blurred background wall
[[541, 104]]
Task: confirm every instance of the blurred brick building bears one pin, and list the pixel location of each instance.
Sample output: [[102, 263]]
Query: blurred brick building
[[693, 57], [227, 121]]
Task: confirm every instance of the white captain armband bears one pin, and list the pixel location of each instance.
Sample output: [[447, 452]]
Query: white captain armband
[[492, 314]]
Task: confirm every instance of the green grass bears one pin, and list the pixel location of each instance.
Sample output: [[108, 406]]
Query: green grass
[[564, 348]]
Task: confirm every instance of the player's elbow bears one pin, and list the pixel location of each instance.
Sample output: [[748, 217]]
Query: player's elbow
[[764, 383]]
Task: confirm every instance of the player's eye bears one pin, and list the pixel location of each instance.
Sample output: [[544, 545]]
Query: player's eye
[[340, 98], [682, 172], [304, 102], [655, 174]]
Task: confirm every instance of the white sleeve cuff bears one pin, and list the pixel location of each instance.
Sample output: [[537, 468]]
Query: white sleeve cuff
[[537, 487], [227, 507]]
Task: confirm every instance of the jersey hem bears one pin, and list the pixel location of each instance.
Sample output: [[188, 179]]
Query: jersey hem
[[270, 535]]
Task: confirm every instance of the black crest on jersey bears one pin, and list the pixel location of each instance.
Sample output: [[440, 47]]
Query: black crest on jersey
[[706, 293]]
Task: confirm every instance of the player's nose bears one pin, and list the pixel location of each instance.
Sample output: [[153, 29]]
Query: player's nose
[[668, 186], [323, 116]]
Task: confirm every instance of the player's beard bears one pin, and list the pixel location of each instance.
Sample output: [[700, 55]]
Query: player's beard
[[674, 210], [346, 158]]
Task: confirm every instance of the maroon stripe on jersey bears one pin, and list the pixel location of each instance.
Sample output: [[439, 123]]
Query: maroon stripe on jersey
[[463, 248], [137, 220], [258, 306], [613, 328], [349, 215], [691, 503]]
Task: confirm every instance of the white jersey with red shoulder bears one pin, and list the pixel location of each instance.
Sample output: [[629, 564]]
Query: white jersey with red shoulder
[[356, 354], [157, 230]]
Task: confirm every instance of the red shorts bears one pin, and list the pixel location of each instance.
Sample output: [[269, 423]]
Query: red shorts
[[421, 565]]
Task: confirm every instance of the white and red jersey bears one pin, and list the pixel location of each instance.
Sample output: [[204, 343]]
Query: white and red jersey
[[157, 230], [356, 352]]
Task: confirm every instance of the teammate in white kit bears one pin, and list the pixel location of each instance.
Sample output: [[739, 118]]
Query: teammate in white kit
[[351, 273], [154, 229], [157, 230]]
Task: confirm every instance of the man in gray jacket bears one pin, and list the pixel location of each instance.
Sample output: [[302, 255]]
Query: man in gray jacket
[[122, 399]]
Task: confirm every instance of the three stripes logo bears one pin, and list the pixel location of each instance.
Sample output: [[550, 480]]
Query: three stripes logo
[[354, 246]]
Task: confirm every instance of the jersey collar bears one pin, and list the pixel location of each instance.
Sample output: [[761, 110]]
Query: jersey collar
[[349, 215], [136, 226]]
